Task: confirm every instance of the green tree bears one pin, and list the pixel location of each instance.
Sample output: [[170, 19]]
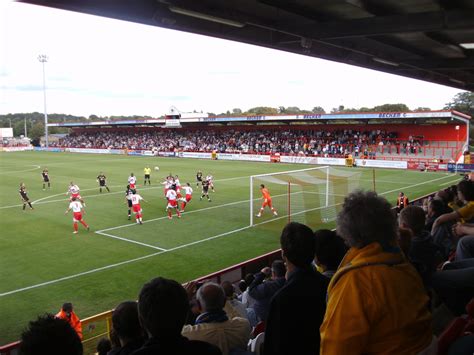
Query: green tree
[[391, 108], [236, 111], [462, 102], [262, 110], [318, 109], [422, 109], [37, 131]]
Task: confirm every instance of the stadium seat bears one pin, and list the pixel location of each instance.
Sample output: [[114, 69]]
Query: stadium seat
[[456, 329], [256, 344]]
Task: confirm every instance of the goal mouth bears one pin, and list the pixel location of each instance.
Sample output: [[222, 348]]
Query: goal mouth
[[311, 196]]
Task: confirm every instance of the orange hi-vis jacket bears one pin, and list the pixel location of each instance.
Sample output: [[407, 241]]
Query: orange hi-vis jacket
[[74, 321], [403, 200], [376, 305]]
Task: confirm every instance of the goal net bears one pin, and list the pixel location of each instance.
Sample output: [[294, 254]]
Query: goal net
[[311, 196]]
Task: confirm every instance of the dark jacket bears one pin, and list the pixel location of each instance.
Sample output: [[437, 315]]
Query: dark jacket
[[425, 255], [262, 292], [177, 346], [296, 313], [128, 348]]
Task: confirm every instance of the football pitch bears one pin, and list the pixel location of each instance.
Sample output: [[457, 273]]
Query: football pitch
[[43, 265]]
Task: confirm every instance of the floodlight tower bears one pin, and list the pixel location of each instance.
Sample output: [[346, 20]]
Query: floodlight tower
[[43, 59]]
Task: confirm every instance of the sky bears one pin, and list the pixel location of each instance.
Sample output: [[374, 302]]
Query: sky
[[108, 67]]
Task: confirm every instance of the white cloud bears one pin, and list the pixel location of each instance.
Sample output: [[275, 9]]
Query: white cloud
[[109, 67]]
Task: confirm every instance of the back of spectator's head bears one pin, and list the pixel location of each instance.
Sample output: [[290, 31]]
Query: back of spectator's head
[[103, 346], [330, 248], [297, 244], [125, 321], [436, 207], [366, 218], [466, 190], [278, 268], [50, 335], [67, 307], [413, 218], [163, 307], [249, 278], [211, 297], [228, 288]]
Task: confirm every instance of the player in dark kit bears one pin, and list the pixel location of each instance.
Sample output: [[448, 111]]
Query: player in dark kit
[[198, 178], [45, 175], [205, 190], [128, 199], [102, 180], [24, 197]]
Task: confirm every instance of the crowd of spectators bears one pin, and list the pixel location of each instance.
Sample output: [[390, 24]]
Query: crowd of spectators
[[371, 286], [291, 141]]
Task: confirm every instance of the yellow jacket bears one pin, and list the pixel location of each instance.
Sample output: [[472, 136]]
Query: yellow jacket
[[376, 305]]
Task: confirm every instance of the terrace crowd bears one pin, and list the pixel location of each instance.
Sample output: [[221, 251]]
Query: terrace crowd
[[374, 285], [291, 141]]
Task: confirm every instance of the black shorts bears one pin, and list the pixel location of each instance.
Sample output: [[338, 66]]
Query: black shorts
[[199, 179], [25, 198], [46, 179], [129, 203], [147, 176], [101, 183], [205, 189]]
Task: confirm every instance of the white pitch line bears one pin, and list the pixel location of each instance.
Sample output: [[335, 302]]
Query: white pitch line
[[450, 182], [160, 252], [36, 167], [130, 241]]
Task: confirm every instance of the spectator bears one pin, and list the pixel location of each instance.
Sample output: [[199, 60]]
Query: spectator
[[233, 307], [465, 191], [67, 313], [246, 299], [465, 247], [436, 208], [424, 253], [262, 290], [213, 324], [50, 335], [126, 327], [103, 347], [454, 284], [376, 301], [162, 309], [297, 309], [330, 250]]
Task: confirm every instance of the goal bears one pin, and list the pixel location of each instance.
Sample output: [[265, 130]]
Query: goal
[[311, 196]]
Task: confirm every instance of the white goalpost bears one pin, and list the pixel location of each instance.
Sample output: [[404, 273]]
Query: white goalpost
[[307, 195]]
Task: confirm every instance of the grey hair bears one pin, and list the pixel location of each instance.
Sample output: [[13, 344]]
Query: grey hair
[[366, 218], [211, 297]]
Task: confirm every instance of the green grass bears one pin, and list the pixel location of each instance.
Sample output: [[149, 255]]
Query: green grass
[[42, 264]]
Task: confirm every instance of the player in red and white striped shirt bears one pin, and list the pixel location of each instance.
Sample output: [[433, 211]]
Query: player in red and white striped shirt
[[132, 180], [73, 191], [76, 207], [137, 210], [188, 196], [171, 196]]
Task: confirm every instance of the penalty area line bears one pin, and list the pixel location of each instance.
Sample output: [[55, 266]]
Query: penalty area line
[[129, 240]]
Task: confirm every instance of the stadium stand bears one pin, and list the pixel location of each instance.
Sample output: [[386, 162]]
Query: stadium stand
[[384, 141]]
